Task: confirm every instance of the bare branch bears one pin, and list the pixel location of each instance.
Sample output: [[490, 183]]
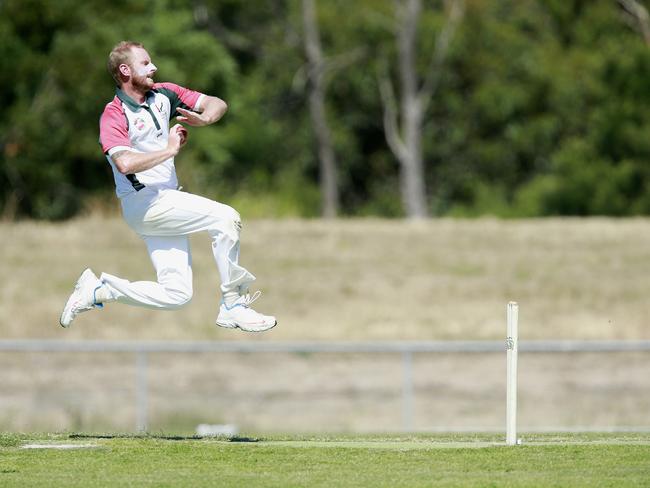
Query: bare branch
[[391, 129], [233, 40], [328, 67], [299, 80], [318, 66], [312, 40], [456, 10], [342, 61], [639, 16]]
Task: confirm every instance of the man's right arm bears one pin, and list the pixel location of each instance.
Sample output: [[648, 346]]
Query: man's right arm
[[129, 162]]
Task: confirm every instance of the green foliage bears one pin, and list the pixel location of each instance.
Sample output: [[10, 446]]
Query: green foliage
[[554, 113], [541, 107]]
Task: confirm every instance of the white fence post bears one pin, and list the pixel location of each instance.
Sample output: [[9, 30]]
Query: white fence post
[[407, 391], [141, 392]]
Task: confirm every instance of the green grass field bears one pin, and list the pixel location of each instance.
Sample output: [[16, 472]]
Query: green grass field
[[366, 461]]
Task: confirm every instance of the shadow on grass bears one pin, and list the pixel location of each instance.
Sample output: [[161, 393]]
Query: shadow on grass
[[164, 437]]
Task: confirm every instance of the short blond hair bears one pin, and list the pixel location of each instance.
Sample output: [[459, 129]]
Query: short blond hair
[[121, 54]]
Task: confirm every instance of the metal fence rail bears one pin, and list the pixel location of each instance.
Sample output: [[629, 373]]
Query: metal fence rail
[[406, 348], [543, 346]]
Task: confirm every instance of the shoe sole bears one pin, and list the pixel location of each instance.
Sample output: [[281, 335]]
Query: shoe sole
[[232, 325], [70, 301]]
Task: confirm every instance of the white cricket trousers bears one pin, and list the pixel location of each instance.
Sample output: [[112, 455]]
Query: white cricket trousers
[[164, 219]]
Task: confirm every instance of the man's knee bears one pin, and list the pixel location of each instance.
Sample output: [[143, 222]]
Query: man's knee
[[229, 223], [177, 287], [234, 219], [178, 297]]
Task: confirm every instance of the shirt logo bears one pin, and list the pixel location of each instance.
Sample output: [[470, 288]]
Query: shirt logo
[[139, 123]]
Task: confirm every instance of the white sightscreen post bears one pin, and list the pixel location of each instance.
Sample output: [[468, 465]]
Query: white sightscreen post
[[511, 373]]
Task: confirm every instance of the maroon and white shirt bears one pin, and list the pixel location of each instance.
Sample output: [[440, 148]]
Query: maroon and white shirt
[[126, 125]]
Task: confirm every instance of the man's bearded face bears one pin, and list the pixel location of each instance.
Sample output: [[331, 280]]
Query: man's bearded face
[[142, 69]]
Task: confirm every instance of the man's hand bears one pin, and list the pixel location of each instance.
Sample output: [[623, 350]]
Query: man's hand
[[128, 162], [194, 119], [212, 109], [177, 138], [183, 133]]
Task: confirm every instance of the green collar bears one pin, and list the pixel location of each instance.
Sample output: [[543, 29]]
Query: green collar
[[132, 104]]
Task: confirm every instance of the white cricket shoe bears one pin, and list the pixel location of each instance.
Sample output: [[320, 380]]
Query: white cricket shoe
[[241, 315], [82, 298]]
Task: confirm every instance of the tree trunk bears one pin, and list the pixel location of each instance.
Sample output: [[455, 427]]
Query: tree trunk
[[316, 88], [412, 168], [403, 127]]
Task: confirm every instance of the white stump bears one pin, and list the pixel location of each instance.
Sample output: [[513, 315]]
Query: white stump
[[511, 374]]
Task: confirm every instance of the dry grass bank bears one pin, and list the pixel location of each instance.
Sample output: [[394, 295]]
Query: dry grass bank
[[321, 392], [352, 279]]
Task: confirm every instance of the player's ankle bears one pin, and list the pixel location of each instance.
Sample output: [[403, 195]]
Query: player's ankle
[[103, 294], [230, 297]]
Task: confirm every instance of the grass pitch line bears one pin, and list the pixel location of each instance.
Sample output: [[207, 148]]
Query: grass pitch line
[[429, 445], [390, 445], [58, 446]]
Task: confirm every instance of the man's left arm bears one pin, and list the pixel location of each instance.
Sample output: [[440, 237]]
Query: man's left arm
[[211, 110]]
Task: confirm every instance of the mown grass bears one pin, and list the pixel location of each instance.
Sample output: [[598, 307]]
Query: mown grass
[[282, 461]]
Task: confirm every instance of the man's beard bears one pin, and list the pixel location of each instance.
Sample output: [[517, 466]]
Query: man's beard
[[141, 83]]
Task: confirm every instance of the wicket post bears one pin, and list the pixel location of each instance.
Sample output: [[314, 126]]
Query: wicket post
[[511, 373]]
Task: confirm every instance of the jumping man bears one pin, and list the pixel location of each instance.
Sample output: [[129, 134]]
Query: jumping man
[[140, 147]]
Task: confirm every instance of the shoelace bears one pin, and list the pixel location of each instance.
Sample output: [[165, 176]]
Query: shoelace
[[248, 298]]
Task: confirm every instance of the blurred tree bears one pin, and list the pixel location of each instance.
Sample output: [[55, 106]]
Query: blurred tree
[[56, 84], [599, 164], [405, 136], [537, 107], [266, 135], [316, 87]]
